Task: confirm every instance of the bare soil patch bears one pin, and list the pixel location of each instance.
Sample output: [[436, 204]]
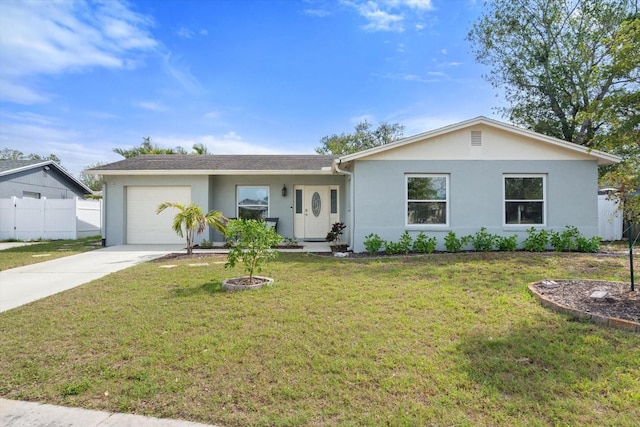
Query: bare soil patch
[[621, 302]]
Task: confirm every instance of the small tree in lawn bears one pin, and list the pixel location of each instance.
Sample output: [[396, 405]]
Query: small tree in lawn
[[191, 221], [252, 242]]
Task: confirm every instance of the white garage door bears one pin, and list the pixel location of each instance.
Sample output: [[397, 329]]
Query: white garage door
[[143, 225]]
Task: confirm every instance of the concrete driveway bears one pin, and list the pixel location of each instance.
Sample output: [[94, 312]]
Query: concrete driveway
[[23, 285]]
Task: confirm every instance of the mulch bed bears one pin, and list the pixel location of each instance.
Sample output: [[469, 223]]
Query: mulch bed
[[621, 302]]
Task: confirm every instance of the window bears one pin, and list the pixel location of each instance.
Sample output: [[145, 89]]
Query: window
[[334, 201], [30, 195], [253, 202], [524, 199], [427, 199]]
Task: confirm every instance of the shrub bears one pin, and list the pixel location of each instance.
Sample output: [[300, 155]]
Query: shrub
[[404, 245], [206, 244], [252, 244], [536, 241], [482, 241], [392, 248], [453, 243], [424, 244], [565, 240], [588, 245], [509, 244], [373, 243], [335, 234]]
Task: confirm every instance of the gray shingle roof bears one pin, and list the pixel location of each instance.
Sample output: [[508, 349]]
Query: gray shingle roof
[[9, 165], [223, 162]]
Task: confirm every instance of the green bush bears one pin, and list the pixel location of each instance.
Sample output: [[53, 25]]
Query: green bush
[[453, 243], [509, 244], [373, 243], [206, 244], [392, 248], [424, 244], [565, 240], [482, 241], [536, 241], [588, 245], [405, 243]]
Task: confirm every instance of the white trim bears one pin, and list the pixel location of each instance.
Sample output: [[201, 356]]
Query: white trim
[[544, 199], [206, 172], [602, 157], [446, 201]]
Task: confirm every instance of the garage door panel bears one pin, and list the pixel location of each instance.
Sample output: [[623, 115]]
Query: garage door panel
[[144, 226]]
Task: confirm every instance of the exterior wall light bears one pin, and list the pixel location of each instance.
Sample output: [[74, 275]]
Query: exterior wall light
[[284, 190]]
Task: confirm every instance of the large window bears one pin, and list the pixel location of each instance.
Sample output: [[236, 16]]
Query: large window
[[427, 199], [253, 202], [524, 199]]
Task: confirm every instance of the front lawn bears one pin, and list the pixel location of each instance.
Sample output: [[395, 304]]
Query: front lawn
[[45, 251], [446, 339]]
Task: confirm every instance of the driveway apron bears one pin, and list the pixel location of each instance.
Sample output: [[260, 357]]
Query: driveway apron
[[22, 285]]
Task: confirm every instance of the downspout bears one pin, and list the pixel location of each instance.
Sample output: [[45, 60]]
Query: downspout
[[103, 213], [351, 200]]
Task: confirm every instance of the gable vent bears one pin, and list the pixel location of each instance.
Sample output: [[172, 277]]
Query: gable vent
[[476, 138]]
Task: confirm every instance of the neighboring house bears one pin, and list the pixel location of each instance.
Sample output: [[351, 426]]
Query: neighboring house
[[477, 173], [36, 179]]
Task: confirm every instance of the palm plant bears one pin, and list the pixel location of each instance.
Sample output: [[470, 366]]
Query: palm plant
[[191, 221]]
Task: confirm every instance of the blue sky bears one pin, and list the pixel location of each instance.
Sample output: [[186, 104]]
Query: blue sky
[[78, 79]]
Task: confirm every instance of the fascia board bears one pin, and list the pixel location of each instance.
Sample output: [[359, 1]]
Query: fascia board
[[206, 172]]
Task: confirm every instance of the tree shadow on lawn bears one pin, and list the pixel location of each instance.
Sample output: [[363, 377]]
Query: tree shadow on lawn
[[213, 287], [530, 367]]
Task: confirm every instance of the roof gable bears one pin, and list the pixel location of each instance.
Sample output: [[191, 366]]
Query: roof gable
[[481, 139], [10, 167]]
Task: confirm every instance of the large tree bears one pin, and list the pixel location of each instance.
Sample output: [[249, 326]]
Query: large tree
[[561, 63], [364, 137], [570, 69], [12, 154], [94, 182], [147, 147]]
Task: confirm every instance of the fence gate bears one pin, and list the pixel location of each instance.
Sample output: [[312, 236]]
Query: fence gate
[[50, 219], [609, 219]]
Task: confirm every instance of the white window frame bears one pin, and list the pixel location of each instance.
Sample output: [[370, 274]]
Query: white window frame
[[446, 201], [261, 187], [544, 199]]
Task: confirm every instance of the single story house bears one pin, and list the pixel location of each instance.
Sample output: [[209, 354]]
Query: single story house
[[473, 174], [36, 179]]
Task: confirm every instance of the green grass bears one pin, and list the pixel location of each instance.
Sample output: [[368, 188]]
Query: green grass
[[447, 339], [45, 251]]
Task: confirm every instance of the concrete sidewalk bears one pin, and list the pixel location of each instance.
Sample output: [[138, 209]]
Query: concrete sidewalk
[[22, 285], [14, 413]]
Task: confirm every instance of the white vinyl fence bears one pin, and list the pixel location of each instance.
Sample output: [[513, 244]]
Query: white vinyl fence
[[609, 219], [32, 219]]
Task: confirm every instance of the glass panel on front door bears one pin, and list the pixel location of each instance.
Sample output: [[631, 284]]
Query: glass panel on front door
[[316, 204]]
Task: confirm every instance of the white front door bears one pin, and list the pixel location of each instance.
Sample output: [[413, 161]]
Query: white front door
[[314, 211]]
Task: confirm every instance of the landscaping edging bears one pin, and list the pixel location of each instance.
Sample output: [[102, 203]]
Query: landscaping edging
[[265, 281], [579, 314]]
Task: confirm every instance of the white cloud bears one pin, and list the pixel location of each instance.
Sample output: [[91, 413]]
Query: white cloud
[[151, 106], [62, 37], [212, 115], [390, 15], [182, 73], [37, 134], [229, 143], [318, 13], [184, 33]]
